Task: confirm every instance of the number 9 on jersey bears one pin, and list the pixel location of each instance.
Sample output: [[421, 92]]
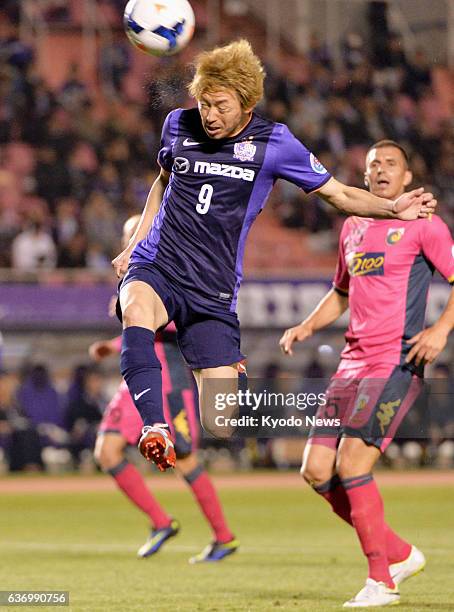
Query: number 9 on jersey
[[205, 195]]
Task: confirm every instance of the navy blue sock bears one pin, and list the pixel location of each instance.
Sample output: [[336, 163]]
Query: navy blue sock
[[141, 370]]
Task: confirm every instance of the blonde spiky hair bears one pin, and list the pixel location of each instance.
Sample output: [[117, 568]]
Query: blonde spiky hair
[[234, 66]]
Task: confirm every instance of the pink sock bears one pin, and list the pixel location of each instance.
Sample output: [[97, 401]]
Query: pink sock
[[131, 482], [367, 515], [397, 549], [209, 502], [335, 495]]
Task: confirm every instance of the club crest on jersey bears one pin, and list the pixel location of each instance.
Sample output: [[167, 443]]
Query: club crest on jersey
[[244, 151], [317, 165], [366, 264], [394, 235]]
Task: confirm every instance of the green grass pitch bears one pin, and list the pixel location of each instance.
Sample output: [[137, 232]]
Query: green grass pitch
[[295, 554]]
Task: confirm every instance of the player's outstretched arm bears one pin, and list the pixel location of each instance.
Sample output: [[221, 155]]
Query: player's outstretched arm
[[354, 201], [154, 199], [328, 310], [430, 342]]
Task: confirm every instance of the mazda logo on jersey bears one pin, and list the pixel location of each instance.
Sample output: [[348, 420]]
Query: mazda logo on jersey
[[236, 172], [181, 165], [366, 264]]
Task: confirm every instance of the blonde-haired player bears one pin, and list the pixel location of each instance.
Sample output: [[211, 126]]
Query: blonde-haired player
[[218, 162]]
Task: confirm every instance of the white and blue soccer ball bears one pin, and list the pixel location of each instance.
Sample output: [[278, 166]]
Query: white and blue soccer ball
[[159, 27]]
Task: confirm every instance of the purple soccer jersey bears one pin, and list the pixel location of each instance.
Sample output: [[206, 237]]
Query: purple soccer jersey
[[216, 190]]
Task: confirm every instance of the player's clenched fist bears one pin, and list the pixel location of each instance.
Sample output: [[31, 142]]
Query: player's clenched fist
[[101, 349], [293, 334]]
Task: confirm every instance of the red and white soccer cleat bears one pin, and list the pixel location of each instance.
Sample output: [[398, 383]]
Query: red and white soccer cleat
[[155, 445]]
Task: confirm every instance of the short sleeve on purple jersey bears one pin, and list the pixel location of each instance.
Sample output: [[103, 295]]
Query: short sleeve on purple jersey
[[341, 280], [295, 163], [169, 133], [438, 246]]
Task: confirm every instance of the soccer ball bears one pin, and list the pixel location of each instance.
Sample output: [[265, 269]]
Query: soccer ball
[[160, 27]]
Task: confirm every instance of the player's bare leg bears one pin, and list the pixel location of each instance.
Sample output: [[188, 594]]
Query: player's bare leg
[[355, 457], [188, 464], [142, 306], [143, 313], [109, 450], [213, 383], [319, 462]]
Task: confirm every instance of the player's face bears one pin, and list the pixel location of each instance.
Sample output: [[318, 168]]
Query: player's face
[[387, 174], [222, 114]]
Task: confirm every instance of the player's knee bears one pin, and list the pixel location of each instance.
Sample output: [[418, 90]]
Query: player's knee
[[187, 463], [107, 456], [315, 473], [134, 314]]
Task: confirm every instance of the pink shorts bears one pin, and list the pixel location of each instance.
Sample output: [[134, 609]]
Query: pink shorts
[[369, 402]]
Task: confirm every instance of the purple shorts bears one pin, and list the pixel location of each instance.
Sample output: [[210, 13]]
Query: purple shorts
[[208, 333]]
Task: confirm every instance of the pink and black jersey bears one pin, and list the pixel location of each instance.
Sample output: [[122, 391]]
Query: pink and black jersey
[[216, 190], [385, 267]]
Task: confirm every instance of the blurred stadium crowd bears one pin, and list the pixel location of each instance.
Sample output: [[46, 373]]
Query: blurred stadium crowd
[[77, 160]]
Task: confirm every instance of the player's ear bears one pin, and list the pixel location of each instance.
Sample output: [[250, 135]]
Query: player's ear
[[366, 180], [408, 178]]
